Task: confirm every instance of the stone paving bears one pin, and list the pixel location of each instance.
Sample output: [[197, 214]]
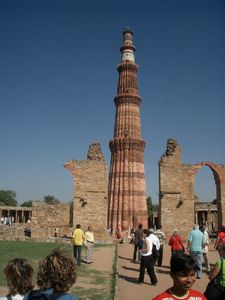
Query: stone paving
[[127, 287]]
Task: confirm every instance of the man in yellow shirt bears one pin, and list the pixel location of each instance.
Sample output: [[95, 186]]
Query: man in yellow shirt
[[89, 243], [78, 240]]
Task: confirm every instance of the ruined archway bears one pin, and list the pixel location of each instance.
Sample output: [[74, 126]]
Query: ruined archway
[[176, 190], [218, 173]]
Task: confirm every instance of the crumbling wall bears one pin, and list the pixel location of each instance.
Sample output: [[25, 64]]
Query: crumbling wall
[[90, 191], [45, 218], [176, 190]]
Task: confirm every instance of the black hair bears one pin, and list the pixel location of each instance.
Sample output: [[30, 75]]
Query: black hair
[[140, 226], [146, 232], [182, 263], [78, 226]]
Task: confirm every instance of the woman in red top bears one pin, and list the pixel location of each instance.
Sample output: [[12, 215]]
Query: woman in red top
[[220, 237], [176, 243]]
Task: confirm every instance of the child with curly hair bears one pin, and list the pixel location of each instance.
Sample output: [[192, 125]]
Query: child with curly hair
[[56, 275], [18, 273]]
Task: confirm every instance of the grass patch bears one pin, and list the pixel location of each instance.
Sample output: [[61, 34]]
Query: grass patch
[[114, 274], [92, 294], [91, 284], [33, 252]]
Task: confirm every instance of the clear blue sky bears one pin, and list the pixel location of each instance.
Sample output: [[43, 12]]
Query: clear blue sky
[[58, 80]]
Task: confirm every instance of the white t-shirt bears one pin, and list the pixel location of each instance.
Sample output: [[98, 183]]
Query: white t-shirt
[[149, 245], [155, 240], [15, 297]]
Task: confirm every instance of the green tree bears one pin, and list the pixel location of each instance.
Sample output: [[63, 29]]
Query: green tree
[[8, 198], [150, 206], [49, 199], [27, 203], [214, 201], [71, 212]]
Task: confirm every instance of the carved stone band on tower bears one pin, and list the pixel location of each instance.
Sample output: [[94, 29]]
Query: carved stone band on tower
[[127, 187]]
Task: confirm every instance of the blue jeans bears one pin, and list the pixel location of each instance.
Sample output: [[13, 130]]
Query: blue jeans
[[77, 254], [197, 256]]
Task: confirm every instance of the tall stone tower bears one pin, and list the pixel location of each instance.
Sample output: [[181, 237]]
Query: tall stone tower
[[127, 187]]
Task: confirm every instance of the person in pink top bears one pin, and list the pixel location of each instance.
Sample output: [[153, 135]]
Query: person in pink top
[[176, 244], [182, 271]]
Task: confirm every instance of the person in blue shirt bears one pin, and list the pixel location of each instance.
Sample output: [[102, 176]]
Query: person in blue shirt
[[56, 275], [195, 246]]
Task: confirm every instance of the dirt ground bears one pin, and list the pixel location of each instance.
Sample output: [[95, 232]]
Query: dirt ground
[[128, 272], [127, 287]]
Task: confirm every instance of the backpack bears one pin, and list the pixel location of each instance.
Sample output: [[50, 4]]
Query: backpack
[[155, 252], [40, 295]]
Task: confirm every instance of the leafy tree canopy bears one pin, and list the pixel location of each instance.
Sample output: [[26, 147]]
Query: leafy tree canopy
[[8, 197], [27, 203], [49, 199], [149, 206], [214, 201]]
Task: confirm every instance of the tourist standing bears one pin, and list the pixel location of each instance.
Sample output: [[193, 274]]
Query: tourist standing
[[89, 243], [155, 241], [220, 237], [161, 236], [18, 273], [176, 244], [56, 232], [217, 272], [205, 249], [147, 260], [182, 271], [195, 245], [132, 231], [78, 240], [138, 242]]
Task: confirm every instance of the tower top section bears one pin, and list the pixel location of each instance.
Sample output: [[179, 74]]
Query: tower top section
[[128, 49]]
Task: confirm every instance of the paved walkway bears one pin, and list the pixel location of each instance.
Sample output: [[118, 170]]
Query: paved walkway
[[127, 287]]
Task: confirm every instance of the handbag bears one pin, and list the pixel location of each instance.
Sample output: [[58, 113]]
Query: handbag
[[214, 290], [155, 252]]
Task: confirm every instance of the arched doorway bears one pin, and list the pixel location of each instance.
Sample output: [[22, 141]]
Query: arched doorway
[[208, 211]]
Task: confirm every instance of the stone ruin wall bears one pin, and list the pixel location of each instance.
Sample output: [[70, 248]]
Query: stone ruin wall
[[44, 219], [90, 191], [176, 190]]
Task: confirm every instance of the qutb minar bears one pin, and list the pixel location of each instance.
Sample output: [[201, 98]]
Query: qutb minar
[[127, 186]]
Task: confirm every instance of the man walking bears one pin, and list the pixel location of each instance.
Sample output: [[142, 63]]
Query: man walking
[[78, 240], [155, 241], [205, 249], [161, 237], [138, 242], [195, 245]]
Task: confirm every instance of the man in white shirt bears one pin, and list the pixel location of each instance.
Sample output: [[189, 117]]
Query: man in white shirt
[[161, 235], [154, 239], [205, 249]]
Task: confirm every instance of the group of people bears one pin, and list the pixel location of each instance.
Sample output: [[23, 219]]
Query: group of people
[[185, 267], [149, 246], [80, 239], [55, 276], [7, 220]]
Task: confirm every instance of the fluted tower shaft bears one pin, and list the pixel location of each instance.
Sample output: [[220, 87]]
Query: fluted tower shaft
[[127, 186]]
